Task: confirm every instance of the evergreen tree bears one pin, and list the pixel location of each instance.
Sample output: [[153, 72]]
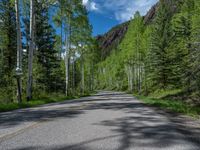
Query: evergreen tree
[[159, 61], [8, 49], [47, 61], [181, 44], [195, 50]]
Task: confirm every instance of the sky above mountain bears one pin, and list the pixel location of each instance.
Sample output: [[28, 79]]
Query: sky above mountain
[[104, 14]]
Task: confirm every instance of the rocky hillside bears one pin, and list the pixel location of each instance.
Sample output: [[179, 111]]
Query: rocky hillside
[[111, 39]]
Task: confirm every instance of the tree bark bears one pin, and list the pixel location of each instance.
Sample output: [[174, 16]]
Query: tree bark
[[82, 75], [92, 86], [19, 53], [31, 49], [67, 58], [66, 72], [73, 74]]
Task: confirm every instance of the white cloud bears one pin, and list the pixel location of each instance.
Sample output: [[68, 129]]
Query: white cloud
[[91, 5], [85, 2], [121, 10]]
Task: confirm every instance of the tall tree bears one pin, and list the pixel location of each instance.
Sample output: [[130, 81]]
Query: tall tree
[[19, 53], [31, 50], [181, 44], [160, 68], [8, 49], [195, 49], [46, 57]]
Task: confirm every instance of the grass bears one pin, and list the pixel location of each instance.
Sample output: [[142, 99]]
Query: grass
[[160, 94], [36, 102], [172, 105]]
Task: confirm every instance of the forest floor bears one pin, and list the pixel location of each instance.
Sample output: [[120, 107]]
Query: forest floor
[[105, 121]]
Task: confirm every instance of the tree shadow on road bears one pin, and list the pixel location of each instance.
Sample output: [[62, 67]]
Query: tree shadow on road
[[13, 118], [10, 120]]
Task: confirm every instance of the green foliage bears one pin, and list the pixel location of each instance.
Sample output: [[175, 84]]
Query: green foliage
[[7, 50], [181, 44], [49, 66], [195, 50], [47, 70], [130, 55], [158, 58]]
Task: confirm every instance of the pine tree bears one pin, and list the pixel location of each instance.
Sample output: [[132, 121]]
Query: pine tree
[[47, 58], [181, 44], [159, 61], [8, 49], [195, 50]]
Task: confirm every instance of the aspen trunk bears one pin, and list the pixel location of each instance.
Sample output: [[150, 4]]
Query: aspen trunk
[[67, 65], [82, 75], [67, 72], [67, 57], [92, 85], [73, 74], [131, 78], [31, 49], [19, 53], [61, 26]]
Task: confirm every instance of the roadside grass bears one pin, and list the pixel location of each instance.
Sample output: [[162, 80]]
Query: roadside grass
[[160, 94], [37, 102], [172, 105]]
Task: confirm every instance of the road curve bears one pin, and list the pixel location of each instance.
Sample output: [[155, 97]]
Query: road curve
[[105, 121]]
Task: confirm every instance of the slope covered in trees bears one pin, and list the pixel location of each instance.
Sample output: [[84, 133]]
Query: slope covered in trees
[[157, 57]]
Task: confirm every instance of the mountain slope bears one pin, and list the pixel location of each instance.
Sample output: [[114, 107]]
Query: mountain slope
[[111, 39]]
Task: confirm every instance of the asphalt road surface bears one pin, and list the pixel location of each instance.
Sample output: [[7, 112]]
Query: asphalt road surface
[[105, 121]]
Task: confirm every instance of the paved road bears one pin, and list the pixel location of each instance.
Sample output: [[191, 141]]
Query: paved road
[[106, 121]]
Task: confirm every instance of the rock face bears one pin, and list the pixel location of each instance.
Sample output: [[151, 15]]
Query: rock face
[[148, 18], [151, 14], [111, 39]]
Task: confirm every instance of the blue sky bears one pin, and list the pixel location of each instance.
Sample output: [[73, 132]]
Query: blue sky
[[104, 14]]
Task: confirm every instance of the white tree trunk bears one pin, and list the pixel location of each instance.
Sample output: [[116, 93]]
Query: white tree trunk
[[66, 63], [82, 75], [19, 53], [131, 78], [31, 49], [66, 72], [67, 57], [92, 84], [73, 73]]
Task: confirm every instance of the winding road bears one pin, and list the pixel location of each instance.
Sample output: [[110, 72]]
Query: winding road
[[105, 121]]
